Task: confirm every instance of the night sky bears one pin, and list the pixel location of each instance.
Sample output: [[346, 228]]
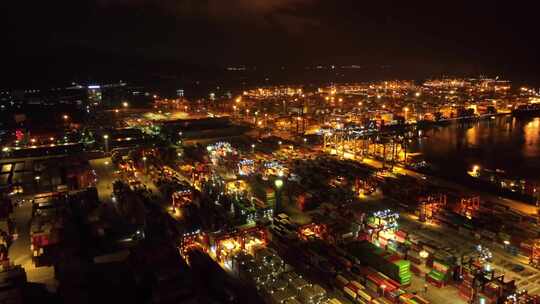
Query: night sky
[[50, 38]]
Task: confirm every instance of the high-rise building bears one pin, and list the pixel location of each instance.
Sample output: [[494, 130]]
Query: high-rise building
[[94, 95]]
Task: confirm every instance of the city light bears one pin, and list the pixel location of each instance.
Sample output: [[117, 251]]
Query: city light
[[475, 170], [125, 104]]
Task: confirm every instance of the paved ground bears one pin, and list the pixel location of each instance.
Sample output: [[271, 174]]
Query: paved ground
[[105, 177], [502, 262], [19, 251], [445, 295]]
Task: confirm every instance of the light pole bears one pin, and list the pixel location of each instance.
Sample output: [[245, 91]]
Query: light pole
[[106, 141], [406, 111], [37, 178], [252, 148], [279, 184], [144, 163]]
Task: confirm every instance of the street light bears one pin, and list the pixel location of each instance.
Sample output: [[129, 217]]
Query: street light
[[252, 148], [37, 178], [475, 170], [65, 117], [406, 110], [106, 138], [125, 104], [279, 184]]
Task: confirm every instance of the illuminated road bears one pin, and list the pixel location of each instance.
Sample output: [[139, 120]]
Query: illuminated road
[[105, 175], [20, 254]]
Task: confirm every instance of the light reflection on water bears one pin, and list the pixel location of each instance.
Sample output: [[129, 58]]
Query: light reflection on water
[[511, 144]]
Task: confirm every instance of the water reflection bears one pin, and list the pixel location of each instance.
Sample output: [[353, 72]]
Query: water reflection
[[531, 147], [507, 143]]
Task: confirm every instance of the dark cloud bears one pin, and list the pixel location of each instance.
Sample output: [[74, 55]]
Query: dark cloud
[[220, 9], [222, 32], [282, 15]]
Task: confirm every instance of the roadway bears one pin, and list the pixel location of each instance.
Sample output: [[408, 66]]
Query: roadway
[[20, 254], [105, 177]]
